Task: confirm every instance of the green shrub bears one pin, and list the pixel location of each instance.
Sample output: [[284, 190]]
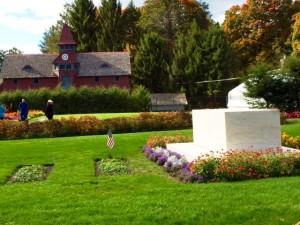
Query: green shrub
[[81, 100]]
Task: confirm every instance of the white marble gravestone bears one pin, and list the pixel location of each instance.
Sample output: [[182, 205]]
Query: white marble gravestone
[[216, 130]]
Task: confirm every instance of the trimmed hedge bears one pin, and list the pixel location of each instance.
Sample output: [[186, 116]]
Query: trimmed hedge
[[90, 125], [81, 100]]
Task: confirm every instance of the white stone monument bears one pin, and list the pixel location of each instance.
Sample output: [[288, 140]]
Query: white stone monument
[[216, 130], [237, 98]]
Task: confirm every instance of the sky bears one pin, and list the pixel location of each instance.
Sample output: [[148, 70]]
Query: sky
[[23, 22]]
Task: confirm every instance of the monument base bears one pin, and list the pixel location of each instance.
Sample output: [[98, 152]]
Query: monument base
[[192, 151]]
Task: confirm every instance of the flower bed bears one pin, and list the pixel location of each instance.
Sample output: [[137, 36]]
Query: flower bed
[[295, 114], [243, 165], [112, 166], [30, 173], [173, 163], [291, 142], [16, 116], [230, 166]]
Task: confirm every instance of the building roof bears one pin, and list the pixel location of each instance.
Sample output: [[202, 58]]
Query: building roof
[[40, 65], [66, 36], [104, 64], [168, 99], [15, 66]]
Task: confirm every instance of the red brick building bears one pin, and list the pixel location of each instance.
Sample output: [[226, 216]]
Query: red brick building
[[68, 68]]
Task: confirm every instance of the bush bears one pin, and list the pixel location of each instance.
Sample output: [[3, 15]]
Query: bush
[[81, 100], [89, 125]]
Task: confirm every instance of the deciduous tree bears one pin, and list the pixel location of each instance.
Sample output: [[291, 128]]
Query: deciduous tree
[[295, 36], [169, 17], [259, 29]]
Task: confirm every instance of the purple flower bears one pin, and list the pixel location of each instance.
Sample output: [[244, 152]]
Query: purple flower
[[162, 160], [186, 176]]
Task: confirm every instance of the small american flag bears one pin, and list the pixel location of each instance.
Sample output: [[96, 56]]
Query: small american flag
[[110, 140]]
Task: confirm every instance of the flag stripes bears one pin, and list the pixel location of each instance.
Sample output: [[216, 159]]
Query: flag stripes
[[110, 140]]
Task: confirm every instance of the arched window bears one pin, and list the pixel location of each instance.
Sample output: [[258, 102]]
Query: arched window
[[27, 67]]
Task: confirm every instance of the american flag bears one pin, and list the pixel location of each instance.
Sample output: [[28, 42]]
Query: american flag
[[110, 140]]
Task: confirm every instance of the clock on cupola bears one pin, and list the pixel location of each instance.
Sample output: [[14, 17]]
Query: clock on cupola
[[65, 56]]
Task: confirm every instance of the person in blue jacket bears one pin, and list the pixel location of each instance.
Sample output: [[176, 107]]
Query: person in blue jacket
[[23, 107], [2, 111]]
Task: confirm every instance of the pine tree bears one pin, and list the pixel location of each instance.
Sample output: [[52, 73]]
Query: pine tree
[[219, 61], [151, 64], [130, 18], [83, 23], [111, 33], [49, 44]]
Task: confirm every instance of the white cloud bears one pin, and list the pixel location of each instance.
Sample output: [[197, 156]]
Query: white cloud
[[32, 16]]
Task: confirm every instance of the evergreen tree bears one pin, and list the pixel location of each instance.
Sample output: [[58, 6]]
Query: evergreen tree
[[49, 44], [195, 71], [219, 61], [178, 66], [151, 64], [188, 62], [83, 22], [111, 33], [130, 18]]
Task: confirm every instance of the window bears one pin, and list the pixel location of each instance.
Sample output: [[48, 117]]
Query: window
[[117, 78], [35, 80], [27, 67], [97, 79], [68, 66], [62, 66], [76, 66], [104, 65], [15, 81]]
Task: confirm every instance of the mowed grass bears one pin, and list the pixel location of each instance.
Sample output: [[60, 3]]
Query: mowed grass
[[98, 115], [73, 195], [292, 127]]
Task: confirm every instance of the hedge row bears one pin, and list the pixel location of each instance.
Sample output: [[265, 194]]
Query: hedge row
[[89, 125], [81, 100]]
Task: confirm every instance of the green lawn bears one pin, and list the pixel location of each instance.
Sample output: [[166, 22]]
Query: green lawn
[[98, 115], [292, 127], [73, 195]]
